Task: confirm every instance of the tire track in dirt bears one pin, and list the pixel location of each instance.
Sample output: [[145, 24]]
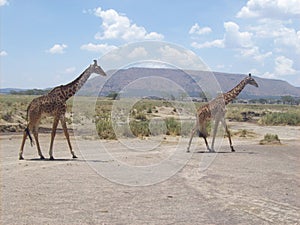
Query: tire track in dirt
[[267, 210]]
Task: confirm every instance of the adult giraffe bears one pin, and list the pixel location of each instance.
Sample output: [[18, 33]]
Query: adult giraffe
[[215, 109], [54, 104]]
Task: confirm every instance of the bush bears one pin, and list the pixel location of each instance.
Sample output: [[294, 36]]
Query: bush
[[234, 115], [244, 133], [105, 129], [270, 139], [278, 118], [140, 128], [140, 116], [7, 116], [173, 126]]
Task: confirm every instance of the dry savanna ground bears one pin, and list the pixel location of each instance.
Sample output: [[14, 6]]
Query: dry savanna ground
[[258, 184]]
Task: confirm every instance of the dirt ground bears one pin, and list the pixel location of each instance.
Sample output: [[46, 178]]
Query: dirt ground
[[258, 184]]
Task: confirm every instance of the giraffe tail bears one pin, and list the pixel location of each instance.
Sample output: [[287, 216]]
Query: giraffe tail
[[29, 135]]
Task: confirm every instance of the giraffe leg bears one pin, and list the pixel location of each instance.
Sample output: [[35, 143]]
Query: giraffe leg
[[203, 134], [191, 138], [36, 137], [22, 145], [228, 134], [214, 135], [53, 133], [64, 125]]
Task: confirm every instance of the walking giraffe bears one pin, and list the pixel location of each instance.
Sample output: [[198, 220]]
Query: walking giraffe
[[215, 109], [54, 104]]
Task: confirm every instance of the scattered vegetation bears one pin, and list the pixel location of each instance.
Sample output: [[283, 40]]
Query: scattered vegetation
[[140, 128], [147, 117], [173, 126], [281, 118], [270, 139], [105, 129], [244, 133], [31, 92], [113, 95]]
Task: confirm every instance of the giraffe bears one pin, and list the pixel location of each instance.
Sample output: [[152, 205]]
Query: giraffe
[[215, 109], [54, 104]]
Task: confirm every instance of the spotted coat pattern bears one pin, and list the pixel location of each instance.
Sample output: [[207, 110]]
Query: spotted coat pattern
[[216, 110], [54, 104]]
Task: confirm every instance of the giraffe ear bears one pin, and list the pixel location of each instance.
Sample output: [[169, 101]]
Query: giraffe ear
[[249, 74], [95, 62]]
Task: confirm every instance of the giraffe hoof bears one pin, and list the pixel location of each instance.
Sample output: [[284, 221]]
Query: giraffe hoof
[[21, 157], [51, 158], [75, 157], [42, 157]]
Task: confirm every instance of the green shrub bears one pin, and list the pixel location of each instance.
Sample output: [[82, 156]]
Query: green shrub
[[270, 139], [173, 126], [104, 127], [244, 133], [140, 128], [7, 116], [234, 115], [140, 116], [278, 118]]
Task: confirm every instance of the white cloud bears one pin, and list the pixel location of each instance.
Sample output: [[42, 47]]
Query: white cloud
[[270, 9], [233, 38], [138, 52], [57, 49], [3, 2], [284, 66], [101, 48], [3, 53], [276, 28], [291, 39], [238, 41], [70, 70], [196, 29], [117, 26], [219, 43], [268, 75], [255, 54], [280, 37], [181, 58]]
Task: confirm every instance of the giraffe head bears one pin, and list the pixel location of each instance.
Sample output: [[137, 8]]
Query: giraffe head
[[251, 81], [94, 68]]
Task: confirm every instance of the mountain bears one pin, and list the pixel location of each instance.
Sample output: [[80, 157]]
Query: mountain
[[160, 82], [149, 81], [9, 90]]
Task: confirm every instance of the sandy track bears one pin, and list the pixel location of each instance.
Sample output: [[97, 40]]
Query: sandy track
[[256, 185]]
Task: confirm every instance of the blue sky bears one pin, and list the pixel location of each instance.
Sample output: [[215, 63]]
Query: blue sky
[[45, 43]]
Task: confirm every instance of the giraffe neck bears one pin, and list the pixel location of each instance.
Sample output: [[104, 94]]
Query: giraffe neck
[[71, 88], [233, 93]]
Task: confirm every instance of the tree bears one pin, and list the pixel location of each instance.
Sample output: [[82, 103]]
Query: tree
[[113, 95], [288, 99]]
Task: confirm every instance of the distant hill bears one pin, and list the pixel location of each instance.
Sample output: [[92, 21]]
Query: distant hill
[[9, 90], [145, 81], [193, 82]]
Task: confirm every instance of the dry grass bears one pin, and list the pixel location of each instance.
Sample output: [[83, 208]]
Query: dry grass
[[13, 115]]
